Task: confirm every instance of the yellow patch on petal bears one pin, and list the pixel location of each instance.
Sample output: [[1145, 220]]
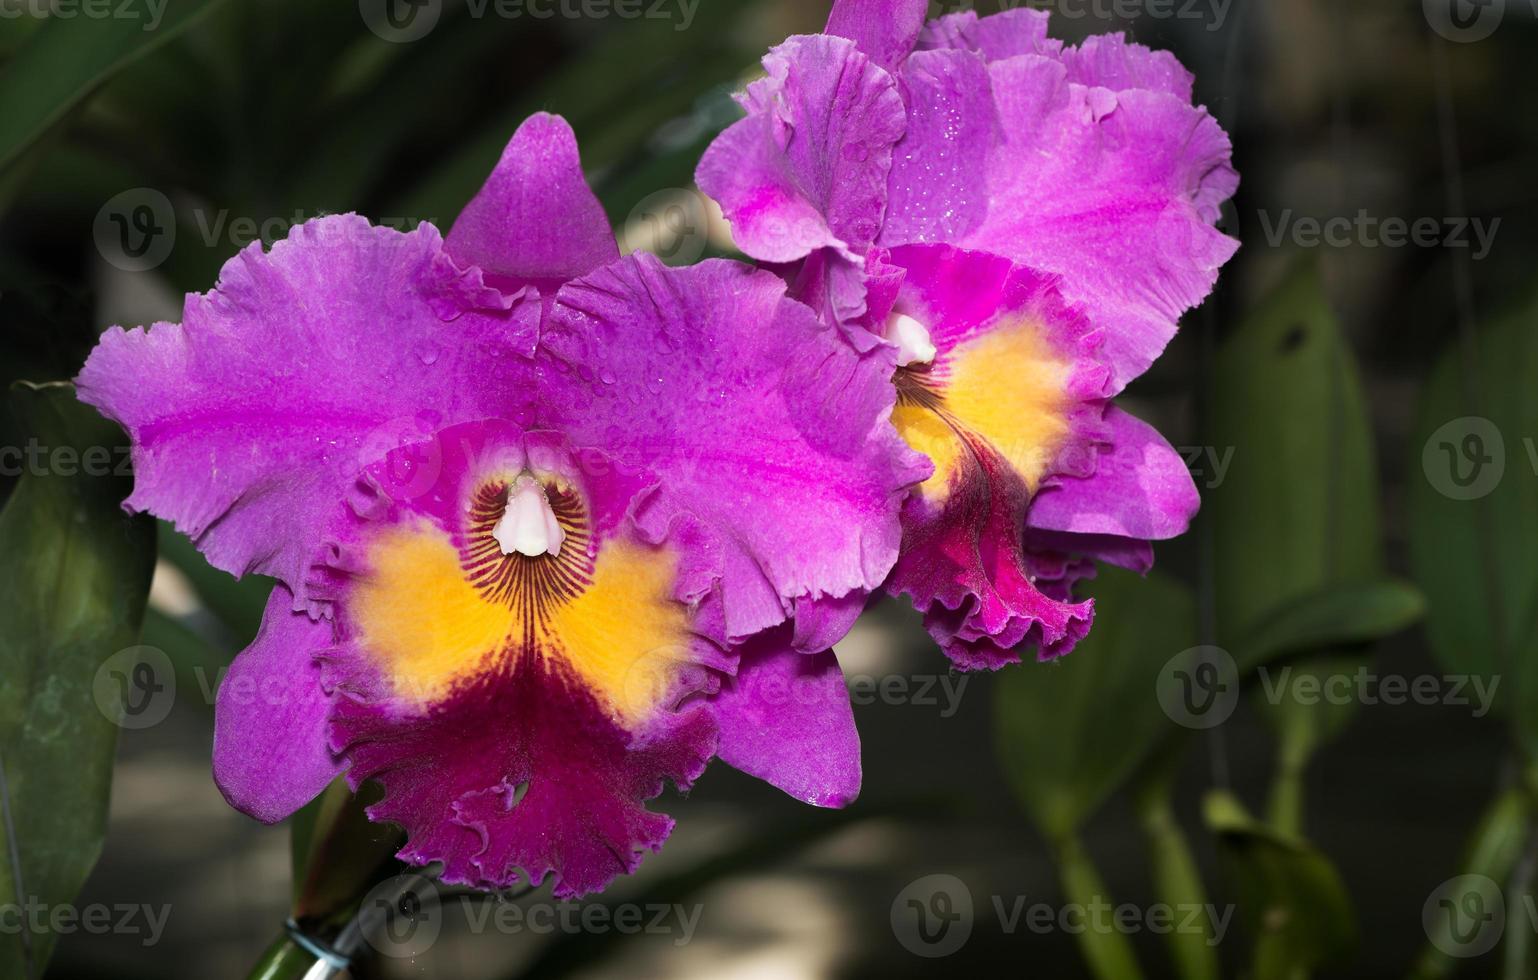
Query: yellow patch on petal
[[925, 431], [625, 635], [1006, 387], [432, 629]]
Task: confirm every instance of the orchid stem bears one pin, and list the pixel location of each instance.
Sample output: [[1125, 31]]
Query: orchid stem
[[1106, 951]]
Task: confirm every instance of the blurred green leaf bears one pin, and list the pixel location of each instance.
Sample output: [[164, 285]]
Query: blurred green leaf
[[1296, 523], [1291, 899], [1473, 511], [1069, 731], [1354, 612], [68, 57], [1492, 852], [74, 574], [1302, 726], [1298, 509], [1177, 880], [1108, 952]]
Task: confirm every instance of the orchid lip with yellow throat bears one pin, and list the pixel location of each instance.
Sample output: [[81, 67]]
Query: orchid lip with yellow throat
[[1010, 402], [457, 587], [1003, 391]]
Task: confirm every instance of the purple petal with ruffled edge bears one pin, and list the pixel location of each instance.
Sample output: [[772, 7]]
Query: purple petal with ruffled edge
[[1104, 60], [1119, 199], [1100, 169], [780, 473], [1140, 489], [1127, 553], [785, 718], [1002, 35], [1111, 61], [535, 222], [885, 30], [767, 483], [251, 417], [807, 168], [271, 747]]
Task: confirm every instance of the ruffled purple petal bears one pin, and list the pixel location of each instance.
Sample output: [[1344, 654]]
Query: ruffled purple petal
[[251, 417], [885, 30], [1103, 60], [535, 221], [1003, 35], [1129, 553], [1119, 200], [1140, 489], [1087, 161], [271, 748], [965, 567], [785, 718], [1111, 61], [780, 476], [807, 168]]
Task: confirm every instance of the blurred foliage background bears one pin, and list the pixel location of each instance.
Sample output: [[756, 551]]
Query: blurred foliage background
[[1324, 396]]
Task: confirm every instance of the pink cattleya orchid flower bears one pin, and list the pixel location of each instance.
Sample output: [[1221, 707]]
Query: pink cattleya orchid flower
[[1024, 222]]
